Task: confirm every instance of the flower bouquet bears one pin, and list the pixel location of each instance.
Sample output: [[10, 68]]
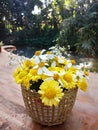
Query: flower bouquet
[[49, 84]]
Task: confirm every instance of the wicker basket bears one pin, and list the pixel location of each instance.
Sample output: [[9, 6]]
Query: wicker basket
[[47, 115]]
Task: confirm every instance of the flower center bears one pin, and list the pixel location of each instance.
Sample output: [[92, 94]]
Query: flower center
[[86, 73], [33, 72], [56, 76], [73, 62], [68, 77], [56, 59], [48, 52], [50, 93], [27, 63], [37, 53], [41, 64]]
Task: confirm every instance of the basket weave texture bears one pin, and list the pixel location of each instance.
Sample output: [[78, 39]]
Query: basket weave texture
[[47, 115]]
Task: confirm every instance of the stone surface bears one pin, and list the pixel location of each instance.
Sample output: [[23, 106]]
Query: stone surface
[[13, 115]]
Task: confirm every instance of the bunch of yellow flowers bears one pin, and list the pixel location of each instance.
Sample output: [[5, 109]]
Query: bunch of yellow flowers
[[49, 73]]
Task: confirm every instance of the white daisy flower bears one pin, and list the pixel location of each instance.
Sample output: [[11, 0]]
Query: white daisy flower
[[38, 56]]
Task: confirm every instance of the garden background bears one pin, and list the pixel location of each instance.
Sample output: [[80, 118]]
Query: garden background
[[43, 23]]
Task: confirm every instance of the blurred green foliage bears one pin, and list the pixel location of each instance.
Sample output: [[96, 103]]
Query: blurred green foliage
[[70, 23], [79, 33]]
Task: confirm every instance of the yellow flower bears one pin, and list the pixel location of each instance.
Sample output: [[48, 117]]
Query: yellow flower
[[73, 62], [33, 72], [67, 80], [73, 69], [17, 71], [83, 84], [68, 77], [50, 92], [27, 64], [37, 53], [26, 82], [55, 69], [19, 74], [48, 52], [41, 64], [65, 62], [32, 62], [55, 76], [56, 59], [33, 75], [35, 78], [86, 73]]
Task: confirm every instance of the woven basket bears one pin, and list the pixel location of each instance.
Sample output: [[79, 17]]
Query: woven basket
[[47, 115]]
